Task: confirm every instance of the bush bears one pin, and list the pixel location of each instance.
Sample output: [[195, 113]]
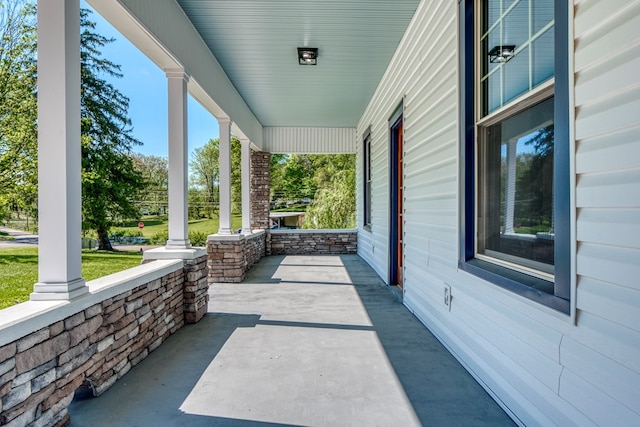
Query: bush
[[198, 238], [160, 238]]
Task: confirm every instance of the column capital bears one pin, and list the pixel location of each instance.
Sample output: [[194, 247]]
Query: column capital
[[224, 121], [177, 73]]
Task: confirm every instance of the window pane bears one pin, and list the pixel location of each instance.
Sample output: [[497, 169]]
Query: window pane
[[515, 26], [516, 211], [491, 88], [543, 62], [496, 8], [518, 23], [542, 14], [494, 11], [516, 76]]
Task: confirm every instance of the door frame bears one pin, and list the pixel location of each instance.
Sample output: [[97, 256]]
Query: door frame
[[396, 141]]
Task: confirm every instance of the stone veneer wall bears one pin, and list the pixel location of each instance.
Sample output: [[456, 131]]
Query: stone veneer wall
[[196, 289], [312, 242], [93, 347], [260, 189], [230, 257]]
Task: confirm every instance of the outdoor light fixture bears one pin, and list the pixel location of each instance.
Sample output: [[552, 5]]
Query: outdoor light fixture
[[501, 54], [308, 55]]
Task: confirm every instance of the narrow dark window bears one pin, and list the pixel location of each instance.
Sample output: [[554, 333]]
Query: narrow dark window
[[367, 180], [514, 113]]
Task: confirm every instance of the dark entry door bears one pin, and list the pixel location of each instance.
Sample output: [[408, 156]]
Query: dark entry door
[[396, 208]]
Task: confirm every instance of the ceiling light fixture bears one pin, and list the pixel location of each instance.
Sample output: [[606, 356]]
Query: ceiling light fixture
[[502, 54], [308, 55]]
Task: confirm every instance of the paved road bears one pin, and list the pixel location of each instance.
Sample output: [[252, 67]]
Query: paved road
[[20, 238]]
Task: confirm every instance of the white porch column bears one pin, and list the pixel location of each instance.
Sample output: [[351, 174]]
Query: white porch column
[[510, 191], [225, 176], [246, 186], [178, 159], [59, 153]]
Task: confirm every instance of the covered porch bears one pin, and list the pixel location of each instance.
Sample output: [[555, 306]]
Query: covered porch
[[305, 340]]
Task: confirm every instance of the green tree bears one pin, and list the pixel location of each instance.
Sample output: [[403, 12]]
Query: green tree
[[334, 202], [297, 177], [18, 108], [205, 174], [236, 176], [276, 167], [155, 175], [109, 179]]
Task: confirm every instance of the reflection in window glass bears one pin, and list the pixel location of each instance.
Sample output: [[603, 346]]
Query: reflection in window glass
[[516, 184]]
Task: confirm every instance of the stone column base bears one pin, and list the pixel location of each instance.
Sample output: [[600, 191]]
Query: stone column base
[[231, 256]]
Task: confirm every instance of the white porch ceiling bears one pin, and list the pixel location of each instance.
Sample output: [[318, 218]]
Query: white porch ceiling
[[255, 43]]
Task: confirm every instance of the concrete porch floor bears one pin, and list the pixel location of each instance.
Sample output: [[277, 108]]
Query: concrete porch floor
[[304, 341]]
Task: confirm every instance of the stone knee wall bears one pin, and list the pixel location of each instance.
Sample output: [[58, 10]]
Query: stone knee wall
[[196, 289], [260, 189], [230, 257], [255, 250], [312, 242], [93, 348]]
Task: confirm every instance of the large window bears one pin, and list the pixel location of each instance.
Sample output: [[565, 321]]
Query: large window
[[367, 179], [514, 113]]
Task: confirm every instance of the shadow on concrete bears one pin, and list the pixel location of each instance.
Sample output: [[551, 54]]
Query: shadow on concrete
[[152, 393], [224, 362]]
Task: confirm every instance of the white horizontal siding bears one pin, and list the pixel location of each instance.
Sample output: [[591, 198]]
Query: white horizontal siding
[[613, 227], [619, 382], [608, 338], [616, 303], [613, 151], [290, 140], [601, 355], [535, 361], [602, 409]]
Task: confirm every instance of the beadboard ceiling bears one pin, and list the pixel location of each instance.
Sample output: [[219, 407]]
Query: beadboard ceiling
[[255, 42]]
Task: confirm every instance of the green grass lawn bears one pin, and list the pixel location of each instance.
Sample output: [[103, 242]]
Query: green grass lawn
[[19, 266], [19, 270]]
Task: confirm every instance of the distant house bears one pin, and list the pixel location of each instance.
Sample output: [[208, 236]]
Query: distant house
[[286, 219]]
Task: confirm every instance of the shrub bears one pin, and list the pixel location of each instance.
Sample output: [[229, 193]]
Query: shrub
[[198, 238], [160, 238]]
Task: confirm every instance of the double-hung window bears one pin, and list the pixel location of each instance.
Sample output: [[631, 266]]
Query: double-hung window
[[514, 115]]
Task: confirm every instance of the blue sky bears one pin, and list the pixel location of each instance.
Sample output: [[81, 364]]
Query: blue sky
[[146, 87]]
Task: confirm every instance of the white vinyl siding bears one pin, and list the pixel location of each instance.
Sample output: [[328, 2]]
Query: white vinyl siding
[[289, 140], [602, 357], [541, 367]]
